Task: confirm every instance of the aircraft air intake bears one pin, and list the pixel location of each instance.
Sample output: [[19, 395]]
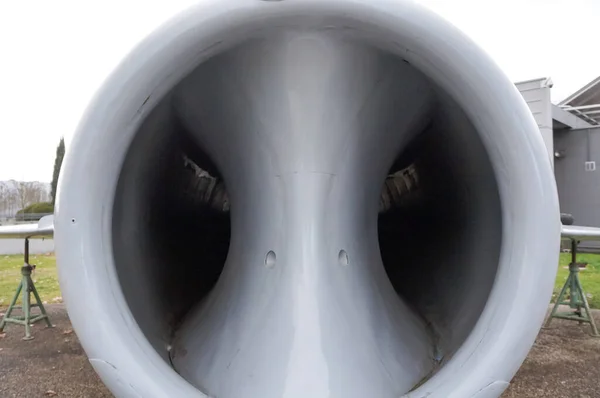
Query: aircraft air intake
[[307, 198]]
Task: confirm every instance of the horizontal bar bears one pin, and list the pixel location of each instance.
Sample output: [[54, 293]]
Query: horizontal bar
[[571, 305], [19, 319], [574, 232], [577, 108], [571, 317], [43, 228], [13, 320], [19, 307]]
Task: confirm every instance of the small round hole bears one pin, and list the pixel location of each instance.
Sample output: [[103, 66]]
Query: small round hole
[[270, 259], [73, 220], [343, 257]]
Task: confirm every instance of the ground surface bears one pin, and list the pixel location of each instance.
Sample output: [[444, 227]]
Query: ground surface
[[52, 363], [564, 363]]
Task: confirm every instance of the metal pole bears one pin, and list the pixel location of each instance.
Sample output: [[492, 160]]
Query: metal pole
[[26, 251], [26, 271]]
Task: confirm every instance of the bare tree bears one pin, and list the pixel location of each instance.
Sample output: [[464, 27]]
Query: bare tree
[[8, 198], [13, 203], [3, 200], [15, 196], [27, 193]]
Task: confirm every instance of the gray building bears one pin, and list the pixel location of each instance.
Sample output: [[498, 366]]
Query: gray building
[[571, 131]]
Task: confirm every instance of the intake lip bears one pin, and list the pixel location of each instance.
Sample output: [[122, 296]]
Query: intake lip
[[107, 150]]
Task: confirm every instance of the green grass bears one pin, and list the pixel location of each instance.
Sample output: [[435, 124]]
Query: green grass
[[44, 277], [590, 276], [46, 282]]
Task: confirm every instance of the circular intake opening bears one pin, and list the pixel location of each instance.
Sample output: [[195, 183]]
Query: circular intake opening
[[302, 130], [419, 193]]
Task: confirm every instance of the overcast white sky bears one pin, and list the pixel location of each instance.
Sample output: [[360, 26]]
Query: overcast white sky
[[56, 53]]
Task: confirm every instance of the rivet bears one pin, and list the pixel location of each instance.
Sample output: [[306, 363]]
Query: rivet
[[343, 257], [270, 259]]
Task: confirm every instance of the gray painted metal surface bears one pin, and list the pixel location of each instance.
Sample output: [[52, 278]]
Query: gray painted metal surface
[[303, 106], [297, 116], [43, 228], [40, 234], [578, 189], [585, 103], [536, 93], [580, 233], [566, 120]]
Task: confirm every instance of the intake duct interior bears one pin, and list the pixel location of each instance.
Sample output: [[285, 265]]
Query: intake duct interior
[[307, 199]]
